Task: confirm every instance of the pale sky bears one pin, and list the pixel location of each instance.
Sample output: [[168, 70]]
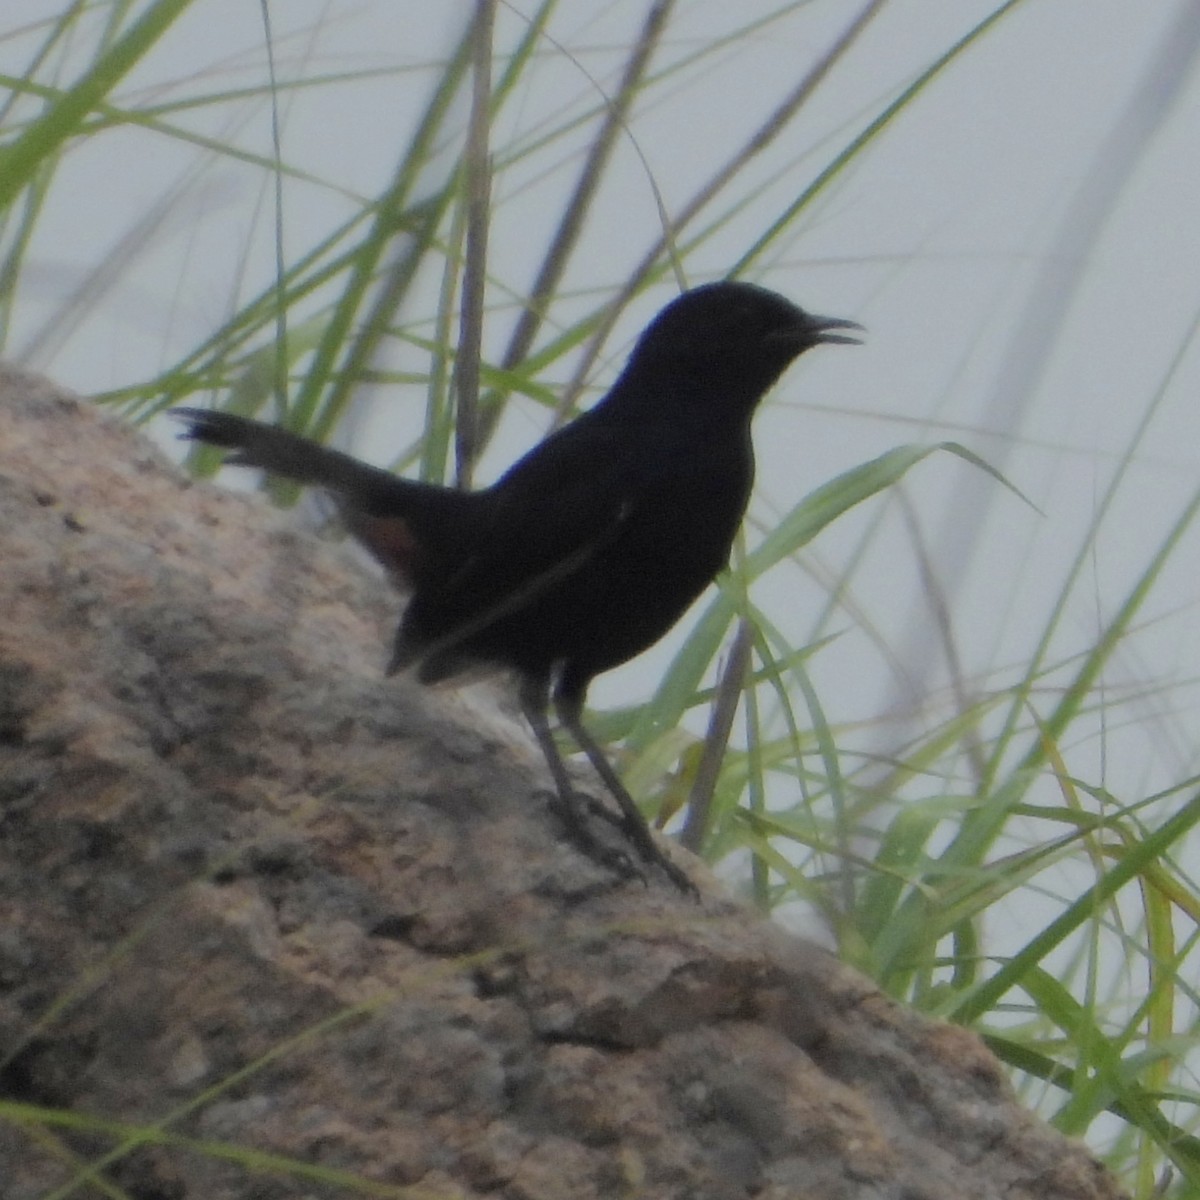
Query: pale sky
[[1021, 244]]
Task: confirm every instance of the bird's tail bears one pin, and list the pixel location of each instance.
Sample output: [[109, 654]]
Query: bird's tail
[[282, 453], [400, 521]]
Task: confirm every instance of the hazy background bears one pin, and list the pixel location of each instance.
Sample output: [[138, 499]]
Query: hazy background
[[1021, 243]]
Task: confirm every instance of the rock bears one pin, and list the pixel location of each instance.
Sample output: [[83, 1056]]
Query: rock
[[271, 923]]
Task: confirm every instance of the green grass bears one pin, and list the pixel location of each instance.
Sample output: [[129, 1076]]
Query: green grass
[[917, 859]]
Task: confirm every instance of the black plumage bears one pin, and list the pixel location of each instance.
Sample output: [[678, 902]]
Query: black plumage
[[590, 547]]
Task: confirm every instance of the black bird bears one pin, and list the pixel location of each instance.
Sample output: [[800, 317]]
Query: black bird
[[591, 546]]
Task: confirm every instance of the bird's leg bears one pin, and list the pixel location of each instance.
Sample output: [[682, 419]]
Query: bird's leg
[[534, 702], [570, 712]]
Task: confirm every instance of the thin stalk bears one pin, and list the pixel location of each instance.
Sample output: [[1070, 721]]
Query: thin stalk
[[477, 179]]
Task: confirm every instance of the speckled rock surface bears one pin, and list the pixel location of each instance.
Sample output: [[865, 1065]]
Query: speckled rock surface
[[272, 925]]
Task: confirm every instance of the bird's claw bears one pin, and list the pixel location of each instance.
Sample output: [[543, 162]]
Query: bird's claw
[[617, 861]]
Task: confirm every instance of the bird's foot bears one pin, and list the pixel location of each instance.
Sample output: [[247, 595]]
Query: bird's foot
[[657, 857], [637, 834], [588, 844]]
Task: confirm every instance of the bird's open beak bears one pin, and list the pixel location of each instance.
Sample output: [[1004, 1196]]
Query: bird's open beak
[[821, 326]]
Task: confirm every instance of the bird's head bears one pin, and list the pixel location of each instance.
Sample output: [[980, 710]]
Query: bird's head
[[728, 340]]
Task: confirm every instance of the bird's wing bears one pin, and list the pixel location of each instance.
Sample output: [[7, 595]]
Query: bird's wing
[[547, 518], [565, 497]]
